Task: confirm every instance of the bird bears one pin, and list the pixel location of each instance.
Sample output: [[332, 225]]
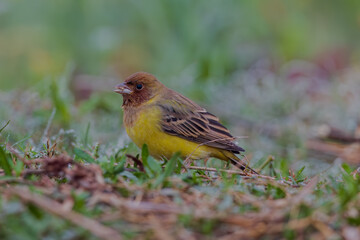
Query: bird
[[168, 122]]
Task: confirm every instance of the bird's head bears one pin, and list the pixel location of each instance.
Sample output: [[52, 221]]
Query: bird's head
[[139, 88]]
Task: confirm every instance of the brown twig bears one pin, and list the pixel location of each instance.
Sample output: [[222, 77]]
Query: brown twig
[[137, 162], [245, 175], [348, 152], [55, 208], [230, 172], [335, 134], [219, 170]]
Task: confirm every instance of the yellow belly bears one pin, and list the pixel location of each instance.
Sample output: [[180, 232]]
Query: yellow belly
[[147, 130]]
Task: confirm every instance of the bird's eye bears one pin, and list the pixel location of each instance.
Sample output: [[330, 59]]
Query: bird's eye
[[139, 86]]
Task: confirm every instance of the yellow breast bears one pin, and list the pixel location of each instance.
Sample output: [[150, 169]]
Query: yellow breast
[[146, 129]]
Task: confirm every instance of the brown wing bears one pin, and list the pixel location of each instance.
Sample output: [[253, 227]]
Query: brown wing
[[186, 119]]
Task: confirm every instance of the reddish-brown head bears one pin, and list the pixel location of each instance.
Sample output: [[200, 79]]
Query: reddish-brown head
[[139, 88]]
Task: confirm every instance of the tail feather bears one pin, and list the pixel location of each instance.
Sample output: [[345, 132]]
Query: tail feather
[[238, 162]]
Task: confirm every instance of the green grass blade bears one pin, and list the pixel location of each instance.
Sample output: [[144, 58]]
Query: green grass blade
[[169, 169], [4, 162], [144, 154], [83, 155], [171, 165], [86, 138], [4, 126]]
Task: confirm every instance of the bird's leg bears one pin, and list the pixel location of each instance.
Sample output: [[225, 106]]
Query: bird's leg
[[227, 164], [205, 161], [186, 164]]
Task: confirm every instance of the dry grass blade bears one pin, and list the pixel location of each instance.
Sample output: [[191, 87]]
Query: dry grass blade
[[306, 191], [228, 171], [325, 230], [144, 207], [158, 228], [268, 161], [219, 170], [55, 208], [246, 175]]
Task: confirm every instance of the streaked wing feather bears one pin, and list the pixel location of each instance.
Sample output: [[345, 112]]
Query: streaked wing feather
[[186, 119]]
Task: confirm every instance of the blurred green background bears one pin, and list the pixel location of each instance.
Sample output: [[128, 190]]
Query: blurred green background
[[272, 70], [207, 40]]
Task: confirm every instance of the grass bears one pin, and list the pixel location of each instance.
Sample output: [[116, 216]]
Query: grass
[[74, 174], [66, 184], [117, 200]]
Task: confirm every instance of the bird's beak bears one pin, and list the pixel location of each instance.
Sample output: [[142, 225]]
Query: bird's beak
[[122, 88]]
